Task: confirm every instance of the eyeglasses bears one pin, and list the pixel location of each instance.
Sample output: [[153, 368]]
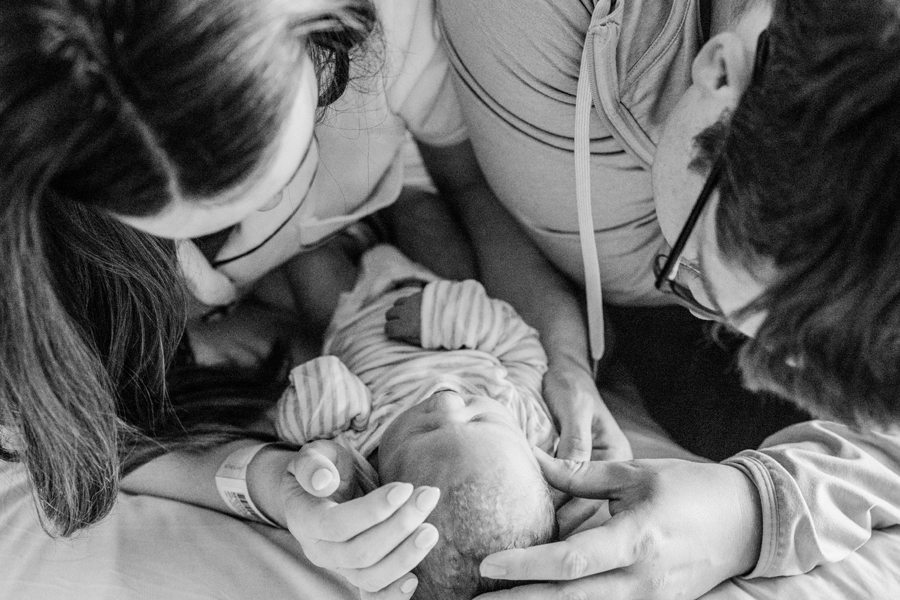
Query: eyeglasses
[[668, 269]]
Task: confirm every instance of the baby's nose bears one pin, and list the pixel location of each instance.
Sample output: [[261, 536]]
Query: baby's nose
[[447, 401]]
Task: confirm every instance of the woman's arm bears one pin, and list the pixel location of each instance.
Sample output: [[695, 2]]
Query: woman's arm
[[191, 477], [514, 270], [373, 541]]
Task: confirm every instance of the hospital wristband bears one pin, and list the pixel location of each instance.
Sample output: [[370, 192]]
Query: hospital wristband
[[231, 481]]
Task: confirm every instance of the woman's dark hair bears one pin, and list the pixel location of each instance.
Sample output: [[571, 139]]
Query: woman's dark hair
[[812, 188], [213, 405], [114, 106]]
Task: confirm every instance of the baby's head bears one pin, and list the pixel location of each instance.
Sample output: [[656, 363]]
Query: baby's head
[[493, 496]]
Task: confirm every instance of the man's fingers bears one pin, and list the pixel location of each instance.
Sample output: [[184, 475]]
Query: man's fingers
[[323, 519], [598, 480], [575, 438], [610, 442], [617, 585], [611, 546], [577, 511], [539, 591]]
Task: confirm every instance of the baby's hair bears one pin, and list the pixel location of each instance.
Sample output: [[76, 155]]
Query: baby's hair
[[477, 517]]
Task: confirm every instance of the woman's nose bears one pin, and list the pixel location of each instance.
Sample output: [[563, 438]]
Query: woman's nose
[[272, 202]]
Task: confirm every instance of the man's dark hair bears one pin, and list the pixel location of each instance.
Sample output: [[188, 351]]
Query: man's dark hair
[[811, 187]]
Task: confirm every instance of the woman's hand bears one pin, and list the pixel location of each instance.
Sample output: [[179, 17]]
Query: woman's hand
[[587, 429], [375, 540], [677, 530]]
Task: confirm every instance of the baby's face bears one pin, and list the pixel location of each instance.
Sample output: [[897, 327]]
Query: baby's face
[[449, 436]]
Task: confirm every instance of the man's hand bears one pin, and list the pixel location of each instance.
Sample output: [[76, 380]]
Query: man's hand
[[404, 320], [587, 428], [677, 530]]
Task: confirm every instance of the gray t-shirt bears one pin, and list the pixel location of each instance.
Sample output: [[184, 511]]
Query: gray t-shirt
[[517, 65]]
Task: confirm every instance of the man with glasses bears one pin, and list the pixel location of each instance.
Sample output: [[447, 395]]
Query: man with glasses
[[743, 164]]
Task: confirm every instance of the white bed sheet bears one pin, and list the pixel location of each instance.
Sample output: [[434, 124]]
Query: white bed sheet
[[154, 549]]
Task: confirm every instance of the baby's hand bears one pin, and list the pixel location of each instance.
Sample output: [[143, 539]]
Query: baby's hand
[[404, 320]]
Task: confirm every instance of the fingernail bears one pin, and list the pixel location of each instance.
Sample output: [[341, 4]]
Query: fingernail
[[492, 570], [409, 586], [428, 499], [427, 537], [321, 479], [400, 494]]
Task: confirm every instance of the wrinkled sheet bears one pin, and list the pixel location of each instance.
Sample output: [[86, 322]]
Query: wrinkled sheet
[[154, 549]]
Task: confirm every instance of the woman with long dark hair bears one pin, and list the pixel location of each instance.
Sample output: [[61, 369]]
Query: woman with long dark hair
[[163, 149]]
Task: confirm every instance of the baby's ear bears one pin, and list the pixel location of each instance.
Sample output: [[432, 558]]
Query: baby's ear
[[403, 321]]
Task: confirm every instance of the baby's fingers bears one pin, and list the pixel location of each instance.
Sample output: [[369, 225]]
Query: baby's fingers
[[403, 329], [399, 307]]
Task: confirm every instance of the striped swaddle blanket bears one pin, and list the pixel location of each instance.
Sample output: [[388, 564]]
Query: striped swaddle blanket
[[470, 343]]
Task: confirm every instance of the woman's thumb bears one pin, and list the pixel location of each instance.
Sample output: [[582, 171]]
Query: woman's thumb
[[315, 467]]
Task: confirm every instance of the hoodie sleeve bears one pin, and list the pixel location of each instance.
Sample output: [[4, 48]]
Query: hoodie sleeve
[[824, 489]]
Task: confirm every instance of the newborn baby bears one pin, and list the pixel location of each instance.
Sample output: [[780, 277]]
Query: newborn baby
[[459, 410], [493, 496]]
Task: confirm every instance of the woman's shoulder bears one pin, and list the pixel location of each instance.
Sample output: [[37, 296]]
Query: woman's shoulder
[[407, 26], [415, 72]]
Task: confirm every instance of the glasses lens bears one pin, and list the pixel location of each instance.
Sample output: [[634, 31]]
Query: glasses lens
[[681, 290]]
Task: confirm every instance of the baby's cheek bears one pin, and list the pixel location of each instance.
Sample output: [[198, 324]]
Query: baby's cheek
[[388, 461]]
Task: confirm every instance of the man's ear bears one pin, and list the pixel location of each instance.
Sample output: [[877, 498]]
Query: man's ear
[[723, 68]]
